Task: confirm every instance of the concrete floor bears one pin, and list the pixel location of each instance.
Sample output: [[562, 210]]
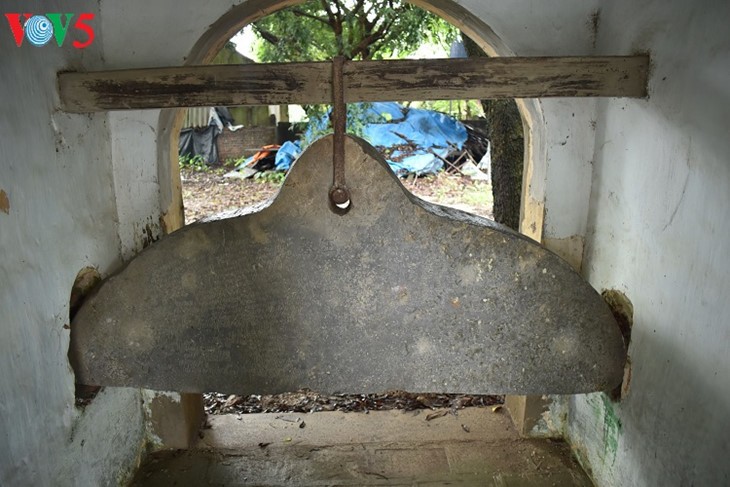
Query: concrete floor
[[478, 447]]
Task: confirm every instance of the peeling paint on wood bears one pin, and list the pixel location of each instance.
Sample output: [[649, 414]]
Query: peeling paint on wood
[[307, 83], [483, 78]]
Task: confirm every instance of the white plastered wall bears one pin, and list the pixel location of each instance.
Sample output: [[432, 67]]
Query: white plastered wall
[[659, 231], [56, 170]]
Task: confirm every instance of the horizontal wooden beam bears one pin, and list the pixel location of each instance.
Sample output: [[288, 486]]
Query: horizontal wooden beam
[[504, 77], [308, 83]]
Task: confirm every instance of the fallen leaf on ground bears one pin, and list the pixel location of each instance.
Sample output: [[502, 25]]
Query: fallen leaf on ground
[[437, 414]]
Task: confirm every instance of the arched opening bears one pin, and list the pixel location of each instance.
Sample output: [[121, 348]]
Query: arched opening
[[215, 38]]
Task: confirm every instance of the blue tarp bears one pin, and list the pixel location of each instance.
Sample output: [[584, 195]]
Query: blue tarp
[[287, 154], [390, 125]]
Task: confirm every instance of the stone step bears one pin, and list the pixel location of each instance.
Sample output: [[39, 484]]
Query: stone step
[[476, 447]]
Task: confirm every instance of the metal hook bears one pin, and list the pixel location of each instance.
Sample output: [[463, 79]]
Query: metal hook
[[339, 195]]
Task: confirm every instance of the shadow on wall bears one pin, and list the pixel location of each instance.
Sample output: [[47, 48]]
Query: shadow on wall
[[636, 432]]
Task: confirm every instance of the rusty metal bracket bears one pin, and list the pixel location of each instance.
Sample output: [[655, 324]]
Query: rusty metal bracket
[[339, 194]]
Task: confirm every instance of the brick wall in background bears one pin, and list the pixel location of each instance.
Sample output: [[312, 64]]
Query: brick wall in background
[[244, 142]]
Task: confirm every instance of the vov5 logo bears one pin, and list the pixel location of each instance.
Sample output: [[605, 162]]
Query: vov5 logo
[[39, 29]]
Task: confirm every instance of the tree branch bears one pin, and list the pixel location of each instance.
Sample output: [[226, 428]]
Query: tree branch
[[363, 47], [382, 30], [330, 13], [302, 13], [369, 10], [357, 9], [338, 12], [266, 35], [386, 22]]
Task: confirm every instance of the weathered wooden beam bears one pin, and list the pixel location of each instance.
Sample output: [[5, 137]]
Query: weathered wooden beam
[[484, 78], [195, 86], [306, 83]]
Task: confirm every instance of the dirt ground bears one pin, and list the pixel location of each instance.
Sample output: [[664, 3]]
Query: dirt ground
[[206, 193]]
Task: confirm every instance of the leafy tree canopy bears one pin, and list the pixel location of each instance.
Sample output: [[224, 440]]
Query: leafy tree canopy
[[318, 30]]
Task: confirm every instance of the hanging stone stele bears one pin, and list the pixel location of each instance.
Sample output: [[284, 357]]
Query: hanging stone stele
[[395, 294]]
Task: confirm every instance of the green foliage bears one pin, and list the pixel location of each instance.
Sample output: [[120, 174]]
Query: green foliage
[[196, 163], [451, 189], [459, 109], [271, 177], [318, 30], [358, 116], [234, 163], [479, 194]]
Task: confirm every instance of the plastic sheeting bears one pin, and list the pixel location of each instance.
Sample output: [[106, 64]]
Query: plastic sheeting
[[196, 141], [428, 134], [412, 139], [199, 142], [287, 154]]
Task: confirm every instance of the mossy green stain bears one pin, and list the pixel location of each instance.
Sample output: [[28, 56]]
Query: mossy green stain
[[604, 412], [611, 427]]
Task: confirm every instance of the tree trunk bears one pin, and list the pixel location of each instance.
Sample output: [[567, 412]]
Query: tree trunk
[[508, 148]]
